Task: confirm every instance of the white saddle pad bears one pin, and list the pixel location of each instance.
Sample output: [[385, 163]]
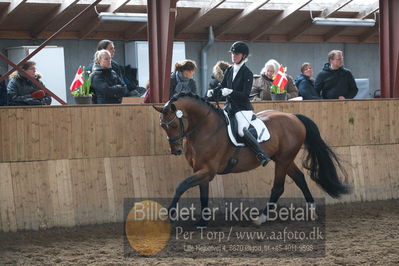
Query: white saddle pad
[[261, 130]]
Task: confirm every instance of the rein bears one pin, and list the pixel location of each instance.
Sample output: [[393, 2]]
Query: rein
[[183, 134]]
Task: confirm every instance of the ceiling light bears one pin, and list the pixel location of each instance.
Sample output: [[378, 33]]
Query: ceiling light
[[344, 22], [131, 17]]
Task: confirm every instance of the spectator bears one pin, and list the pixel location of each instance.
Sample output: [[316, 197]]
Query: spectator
[[218, 74], [305, 83], [217, 77], [3, 93], [105, 82], [263, 82], [181, 80], [109, 46], [22, 91], [335, 81]]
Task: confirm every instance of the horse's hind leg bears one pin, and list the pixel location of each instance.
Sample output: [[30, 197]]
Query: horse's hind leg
[[280, 172], [279, 179], [299, 178]]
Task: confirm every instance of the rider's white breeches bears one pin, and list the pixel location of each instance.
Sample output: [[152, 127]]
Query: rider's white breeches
[[243, 120]]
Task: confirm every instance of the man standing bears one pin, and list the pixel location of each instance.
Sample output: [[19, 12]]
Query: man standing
[[335, 81]]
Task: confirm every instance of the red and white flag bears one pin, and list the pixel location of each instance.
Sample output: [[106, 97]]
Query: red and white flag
[[281, 79], [78, 80]]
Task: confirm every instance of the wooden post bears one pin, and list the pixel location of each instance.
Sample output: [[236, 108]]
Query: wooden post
[[161, 26]]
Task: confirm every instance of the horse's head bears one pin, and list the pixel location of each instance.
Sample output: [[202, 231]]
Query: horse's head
[[171, 120]]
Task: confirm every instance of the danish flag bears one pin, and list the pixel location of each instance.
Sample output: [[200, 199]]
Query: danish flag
[[78, 80], [281, 79]]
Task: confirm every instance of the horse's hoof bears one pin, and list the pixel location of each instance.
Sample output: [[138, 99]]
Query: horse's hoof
[[259, 220], [313, 214]]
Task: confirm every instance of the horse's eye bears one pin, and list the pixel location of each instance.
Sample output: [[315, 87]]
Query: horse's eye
[[173, 126]]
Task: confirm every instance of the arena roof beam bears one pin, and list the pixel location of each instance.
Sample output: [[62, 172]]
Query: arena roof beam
[[361, 15], [334, 8], [14, 4], [298, 31], [113, 7], [129, 34], [240, 16], [325, 13], [278, 19], [65, 5], [371, 10], [199, 15]]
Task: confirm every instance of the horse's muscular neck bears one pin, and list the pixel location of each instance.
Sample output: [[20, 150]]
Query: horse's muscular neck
[[207, 135], [205, 119]]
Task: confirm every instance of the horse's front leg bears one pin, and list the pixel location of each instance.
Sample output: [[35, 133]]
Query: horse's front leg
[[204, 197], [199, 177]]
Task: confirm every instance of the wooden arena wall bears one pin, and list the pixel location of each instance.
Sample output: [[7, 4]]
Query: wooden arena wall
[[74, 165]]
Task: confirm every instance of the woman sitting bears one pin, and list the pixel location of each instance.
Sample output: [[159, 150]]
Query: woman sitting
[[181, 79], [107, 85], [22, 91], [305, 83], [262, 84]]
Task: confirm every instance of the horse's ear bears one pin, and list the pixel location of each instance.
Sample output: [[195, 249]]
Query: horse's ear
[[159, 109]]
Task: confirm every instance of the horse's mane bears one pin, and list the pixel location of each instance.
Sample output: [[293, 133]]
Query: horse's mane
[[217, 109]]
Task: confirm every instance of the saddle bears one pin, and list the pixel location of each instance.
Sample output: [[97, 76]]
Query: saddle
[[257, 128]]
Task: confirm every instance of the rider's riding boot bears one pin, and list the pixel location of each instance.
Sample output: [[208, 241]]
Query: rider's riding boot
[[255, 147]]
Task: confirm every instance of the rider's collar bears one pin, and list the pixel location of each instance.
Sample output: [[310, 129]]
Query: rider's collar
[[238, 66]]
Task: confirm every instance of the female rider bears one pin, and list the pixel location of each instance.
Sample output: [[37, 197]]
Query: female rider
[[236, 86]]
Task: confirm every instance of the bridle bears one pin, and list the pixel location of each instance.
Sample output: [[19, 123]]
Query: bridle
[[179, 115]]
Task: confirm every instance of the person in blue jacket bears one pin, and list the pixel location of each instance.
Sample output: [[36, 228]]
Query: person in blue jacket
[[305, 83]]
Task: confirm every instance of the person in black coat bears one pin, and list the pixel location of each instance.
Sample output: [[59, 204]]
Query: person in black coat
[[181, 80], [335, 81], [105, 82], [21, 91], [305, 83], [109, 46], [236, 87]]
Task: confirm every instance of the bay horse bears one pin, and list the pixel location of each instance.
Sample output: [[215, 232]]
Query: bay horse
[[200, 127]]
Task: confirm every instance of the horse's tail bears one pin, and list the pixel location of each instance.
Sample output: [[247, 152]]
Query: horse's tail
[[321, 161]]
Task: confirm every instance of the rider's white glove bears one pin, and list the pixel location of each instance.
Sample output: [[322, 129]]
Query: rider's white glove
[[209, 93], [226, 91]]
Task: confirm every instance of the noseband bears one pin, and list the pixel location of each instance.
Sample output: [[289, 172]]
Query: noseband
[[179, 115]]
